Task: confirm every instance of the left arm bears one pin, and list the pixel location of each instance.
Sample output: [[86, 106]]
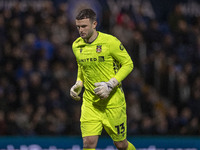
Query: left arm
[[119, 53]]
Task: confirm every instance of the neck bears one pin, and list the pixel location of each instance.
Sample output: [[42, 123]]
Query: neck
[[92, 38]]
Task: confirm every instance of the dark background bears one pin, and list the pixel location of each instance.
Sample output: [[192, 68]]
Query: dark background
[[38, 68]]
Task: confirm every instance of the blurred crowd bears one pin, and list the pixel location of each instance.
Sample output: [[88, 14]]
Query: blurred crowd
[[38, 68]]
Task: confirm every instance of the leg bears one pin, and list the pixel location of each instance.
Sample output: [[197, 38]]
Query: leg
[[90, 142], [124, 145], [91, 127], [116, 127], [121, 145]]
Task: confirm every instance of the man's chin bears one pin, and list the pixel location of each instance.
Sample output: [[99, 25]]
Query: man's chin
[[83, 37]]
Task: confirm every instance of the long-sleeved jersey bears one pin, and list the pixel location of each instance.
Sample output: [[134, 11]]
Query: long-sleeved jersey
[[100, 61]]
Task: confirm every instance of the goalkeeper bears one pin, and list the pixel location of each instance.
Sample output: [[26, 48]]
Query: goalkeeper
[[103, 63]]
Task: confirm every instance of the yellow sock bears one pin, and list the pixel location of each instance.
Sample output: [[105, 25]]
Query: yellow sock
[[88, 148], [130, 146]]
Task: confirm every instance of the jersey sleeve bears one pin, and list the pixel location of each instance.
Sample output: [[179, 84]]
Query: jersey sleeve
[[119, 53], [79, 72]]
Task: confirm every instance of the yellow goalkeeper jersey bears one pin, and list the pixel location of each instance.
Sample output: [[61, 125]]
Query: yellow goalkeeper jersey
[[100, 61]]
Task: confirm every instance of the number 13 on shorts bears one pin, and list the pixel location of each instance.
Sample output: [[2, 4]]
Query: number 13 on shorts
[[120, 129]]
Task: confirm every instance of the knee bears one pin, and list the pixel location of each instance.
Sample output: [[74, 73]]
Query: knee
[[90, 142], [121, 145]]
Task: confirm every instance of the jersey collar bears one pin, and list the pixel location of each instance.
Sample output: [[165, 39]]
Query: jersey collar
[[94, 39]]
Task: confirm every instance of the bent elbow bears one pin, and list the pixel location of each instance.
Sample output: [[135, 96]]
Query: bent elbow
[[131, 66]]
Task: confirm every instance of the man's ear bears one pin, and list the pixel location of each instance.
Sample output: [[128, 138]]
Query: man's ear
[[94, 24]]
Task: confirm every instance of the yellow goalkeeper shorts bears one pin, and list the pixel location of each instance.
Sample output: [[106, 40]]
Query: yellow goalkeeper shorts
[[113, 120]]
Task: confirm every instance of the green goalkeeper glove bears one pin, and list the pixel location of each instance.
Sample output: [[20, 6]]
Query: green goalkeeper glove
[[76, 90], [103, 89]]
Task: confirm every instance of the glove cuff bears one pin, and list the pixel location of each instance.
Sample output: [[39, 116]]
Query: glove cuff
[[79, 83], [113, 82]]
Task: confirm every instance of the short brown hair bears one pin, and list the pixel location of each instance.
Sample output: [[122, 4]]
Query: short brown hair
[[86, 13]]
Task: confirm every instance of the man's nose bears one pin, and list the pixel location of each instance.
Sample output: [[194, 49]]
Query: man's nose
[[80, 29]]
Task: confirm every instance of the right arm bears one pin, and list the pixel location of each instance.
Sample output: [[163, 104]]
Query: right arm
[[79, 74], [77, 87]]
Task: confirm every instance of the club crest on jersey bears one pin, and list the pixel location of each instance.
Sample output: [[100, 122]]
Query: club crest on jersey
[[98, 50]]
